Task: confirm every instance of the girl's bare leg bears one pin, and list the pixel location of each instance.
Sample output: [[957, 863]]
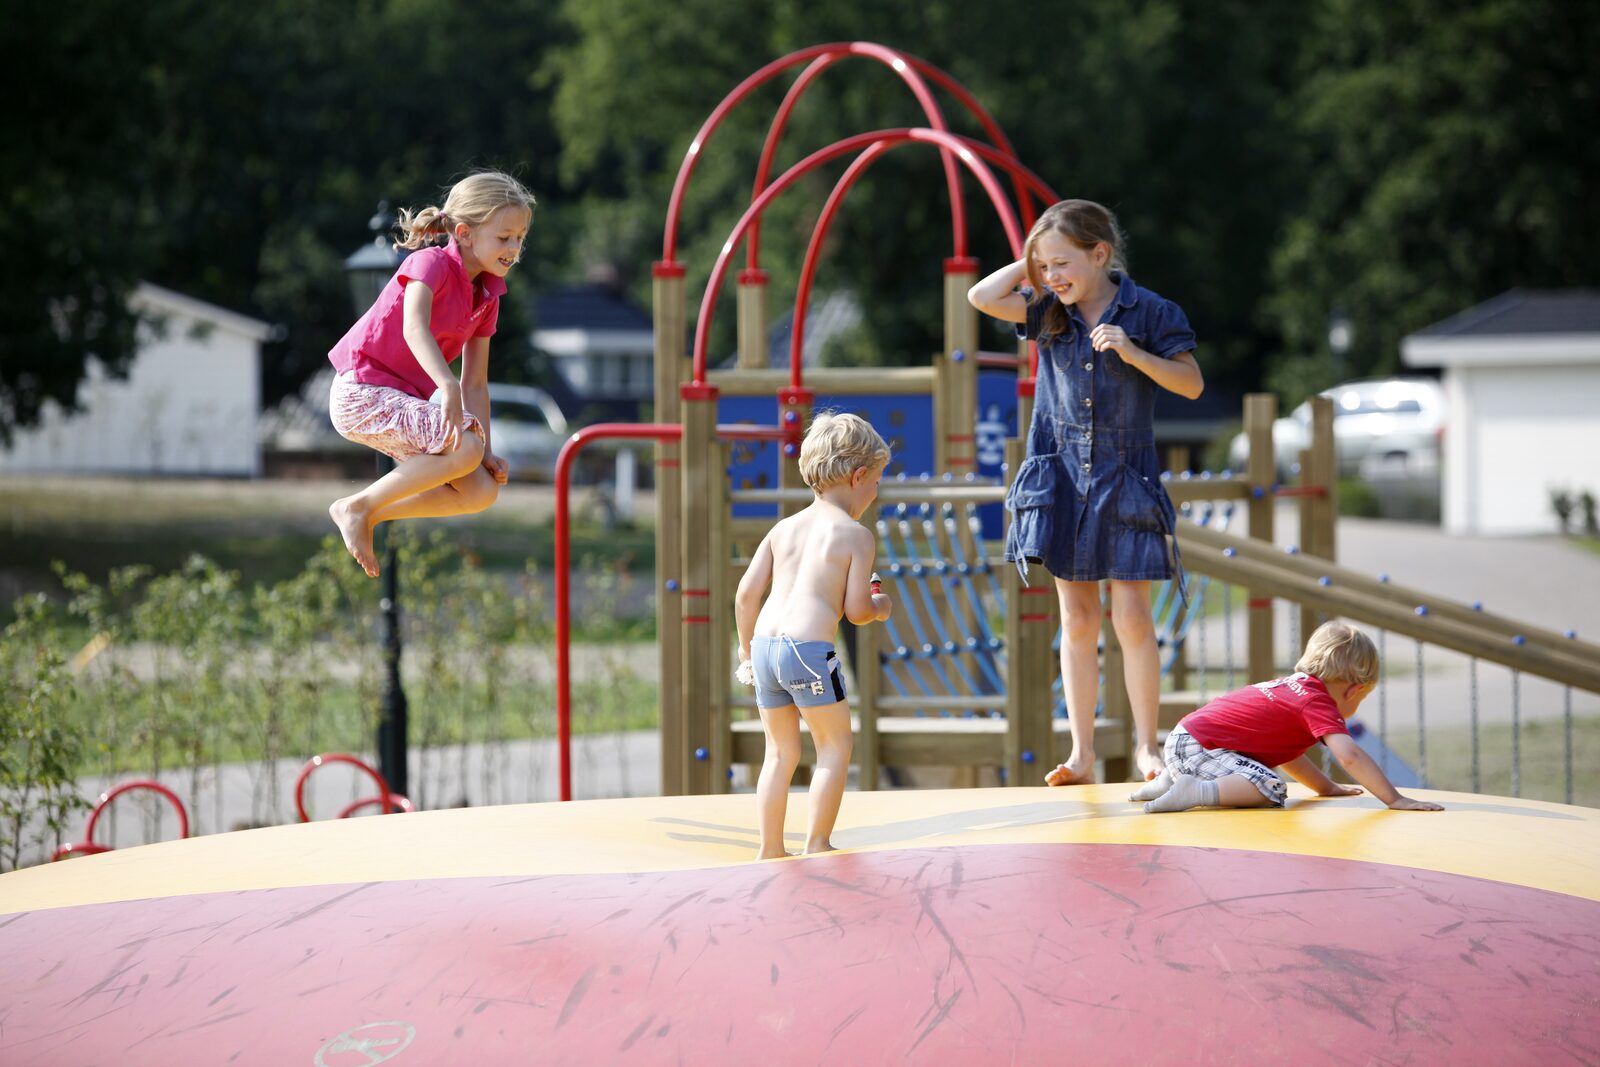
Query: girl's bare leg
[[782, 727], [1141, 670], [1080, 676], [830, 733], [464, 496], [354, 514]]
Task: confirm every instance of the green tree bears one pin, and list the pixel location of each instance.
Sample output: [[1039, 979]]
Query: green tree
[[1449, 158]]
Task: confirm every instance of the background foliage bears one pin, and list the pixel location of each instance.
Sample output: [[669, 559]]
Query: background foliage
[[1402, 160]]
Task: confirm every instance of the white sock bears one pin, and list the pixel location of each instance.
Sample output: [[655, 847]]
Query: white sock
[[1187, 792], [1154, 787]]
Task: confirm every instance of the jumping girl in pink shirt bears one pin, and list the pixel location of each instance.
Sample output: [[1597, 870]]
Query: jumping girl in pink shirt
[[395, 391]]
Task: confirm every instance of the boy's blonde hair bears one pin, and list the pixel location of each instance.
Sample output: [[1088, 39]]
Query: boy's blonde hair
[[836, 444], [472, 200], [1340, 651]]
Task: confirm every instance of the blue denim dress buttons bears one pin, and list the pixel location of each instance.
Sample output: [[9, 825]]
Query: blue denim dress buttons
[[1088, 502]]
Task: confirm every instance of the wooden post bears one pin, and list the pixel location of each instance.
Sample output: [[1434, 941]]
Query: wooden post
[[1324, 472], [1260, 409], [1030, 627], [868, 751], [752, 321], [961, 351], [720, 609], [699, 409], [670, 344]]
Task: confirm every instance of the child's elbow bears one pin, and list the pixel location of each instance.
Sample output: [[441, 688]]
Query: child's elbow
[[975, 299]]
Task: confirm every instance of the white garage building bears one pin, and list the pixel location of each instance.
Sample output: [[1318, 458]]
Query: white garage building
[[1522, 388], [189, 405]]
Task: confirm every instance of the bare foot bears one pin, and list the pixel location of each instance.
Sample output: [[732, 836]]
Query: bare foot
[[1148, 761], [356, 530], [825, 848], [774, 856], [1067, 774]]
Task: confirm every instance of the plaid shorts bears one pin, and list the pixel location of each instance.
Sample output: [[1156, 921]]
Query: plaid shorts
[[1185, 755], [395, 423]]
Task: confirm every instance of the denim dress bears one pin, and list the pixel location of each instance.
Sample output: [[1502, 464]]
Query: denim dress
[[1088, 502]]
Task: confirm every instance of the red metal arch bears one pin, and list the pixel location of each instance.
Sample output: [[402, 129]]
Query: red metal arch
[[907, 67], [997, 137], [965, 149]]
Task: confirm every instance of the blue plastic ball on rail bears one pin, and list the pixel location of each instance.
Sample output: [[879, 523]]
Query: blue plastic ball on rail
[[1230, 552], [903, 652], [791, 449], [1572, 635], [1477, 605], [672, 585], [927, 649], [730, 774], [791, 417], [701, 754], [1422, 609], [1293, 550], [959, 356], [949, 646], [1519, 640], [1028, 756], [1324, 580], [1384, 578], [1258, 492]]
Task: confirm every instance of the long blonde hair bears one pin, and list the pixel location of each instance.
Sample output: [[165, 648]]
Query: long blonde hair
[[472, 200], [1084, 223]]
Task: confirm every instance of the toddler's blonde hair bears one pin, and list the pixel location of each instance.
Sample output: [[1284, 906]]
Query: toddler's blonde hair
[[836, 444], [1337, 650], [472, 200]]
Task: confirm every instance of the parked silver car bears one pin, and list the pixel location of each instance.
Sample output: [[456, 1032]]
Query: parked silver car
[[1392, 422], [528, 429]]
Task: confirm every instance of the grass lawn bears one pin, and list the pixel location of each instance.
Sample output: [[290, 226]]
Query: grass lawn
[[1541, 758], [266, 530]]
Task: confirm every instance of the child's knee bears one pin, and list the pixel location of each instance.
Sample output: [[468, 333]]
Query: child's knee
[[478, 490], [469, 452], [1081, 626]]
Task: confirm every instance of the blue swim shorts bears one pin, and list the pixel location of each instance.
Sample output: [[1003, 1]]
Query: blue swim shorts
[[806, 674]]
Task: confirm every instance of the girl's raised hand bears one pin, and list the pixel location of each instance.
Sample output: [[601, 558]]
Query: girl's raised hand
[[1106, 336], [450, 401]]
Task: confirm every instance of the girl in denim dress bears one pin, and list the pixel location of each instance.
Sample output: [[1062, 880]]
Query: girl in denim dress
[[1088, 502]]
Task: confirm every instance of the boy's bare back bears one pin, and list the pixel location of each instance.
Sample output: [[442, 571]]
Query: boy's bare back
[[820, 561]]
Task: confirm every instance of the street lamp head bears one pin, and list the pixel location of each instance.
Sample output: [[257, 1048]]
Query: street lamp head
[[1340, 332], [370, 267]]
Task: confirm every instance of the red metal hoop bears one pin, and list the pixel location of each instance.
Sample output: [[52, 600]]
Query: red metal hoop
[[89, 847], [386, 798], [399, 802]]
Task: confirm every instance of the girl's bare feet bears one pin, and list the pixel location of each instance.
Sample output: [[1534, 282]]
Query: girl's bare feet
[[356, 530], [1148, 761], [814, 851], [1070, 774]]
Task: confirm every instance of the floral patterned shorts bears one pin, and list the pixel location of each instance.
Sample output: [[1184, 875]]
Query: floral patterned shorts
[[395, 423]]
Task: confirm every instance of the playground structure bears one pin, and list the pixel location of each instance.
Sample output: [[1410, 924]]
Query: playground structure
[[963, 676], [958, 926]]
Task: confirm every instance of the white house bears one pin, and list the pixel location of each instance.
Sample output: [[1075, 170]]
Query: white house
[[1522, 389], [188, 406]]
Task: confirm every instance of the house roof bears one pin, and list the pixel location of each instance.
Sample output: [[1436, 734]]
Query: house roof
[[1523, 327], [588, 307], [1522, 312], [148, 297]]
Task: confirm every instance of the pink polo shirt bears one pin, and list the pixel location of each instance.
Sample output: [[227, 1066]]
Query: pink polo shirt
[[375, 348]]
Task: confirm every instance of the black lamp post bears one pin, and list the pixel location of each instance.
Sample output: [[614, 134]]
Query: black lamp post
[[369, 269]]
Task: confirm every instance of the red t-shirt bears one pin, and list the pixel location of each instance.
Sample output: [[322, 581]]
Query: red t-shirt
[[1273, 722]]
